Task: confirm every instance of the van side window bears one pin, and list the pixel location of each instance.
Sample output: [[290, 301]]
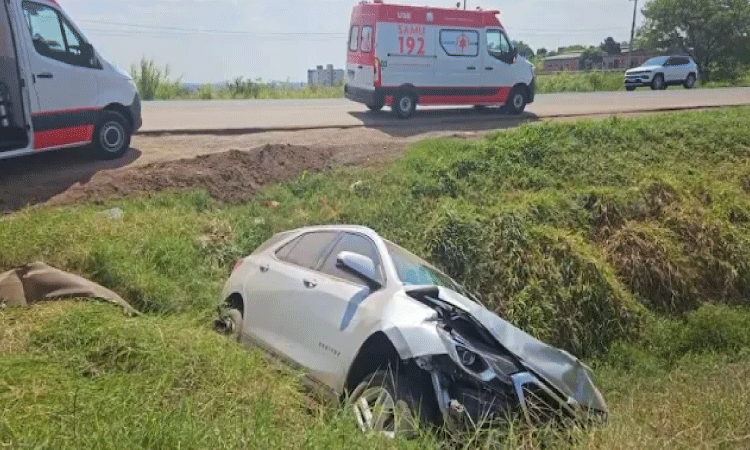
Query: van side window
[[366, 41], [499, 47], [54, 37], [460, 42], [354, 39]]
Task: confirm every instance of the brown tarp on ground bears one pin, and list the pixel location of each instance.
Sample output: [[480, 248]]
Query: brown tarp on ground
[[38, 282]]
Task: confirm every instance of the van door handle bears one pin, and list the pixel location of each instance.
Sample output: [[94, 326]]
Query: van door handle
[[471, 68], [46, 75], [489, 68], [310, 284]]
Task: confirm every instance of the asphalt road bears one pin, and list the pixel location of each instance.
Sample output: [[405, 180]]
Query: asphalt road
[[278, 115]]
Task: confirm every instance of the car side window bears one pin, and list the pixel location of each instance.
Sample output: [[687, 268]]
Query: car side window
[[308, 249], [54, 37], [354, 243]]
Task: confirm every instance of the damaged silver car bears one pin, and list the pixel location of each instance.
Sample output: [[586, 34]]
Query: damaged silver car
[[370, 322]]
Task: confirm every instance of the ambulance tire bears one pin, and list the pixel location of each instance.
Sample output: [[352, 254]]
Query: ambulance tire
[[112, 135], [375, 106], [404, 104], [516, 100]]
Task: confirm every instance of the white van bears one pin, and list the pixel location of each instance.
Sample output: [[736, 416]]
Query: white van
[[403, 55], [56, 91]]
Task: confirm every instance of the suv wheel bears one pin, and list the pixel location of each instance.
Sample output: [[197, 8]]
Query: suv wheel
[[404, 104], [658, 83], [690, 81], [391, 405]]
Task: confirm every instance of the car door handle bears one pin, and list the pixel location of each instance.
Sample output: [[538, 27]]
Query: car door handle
[[310, 284], [264, 268], [489, 68], [45, 75], [471, 68]]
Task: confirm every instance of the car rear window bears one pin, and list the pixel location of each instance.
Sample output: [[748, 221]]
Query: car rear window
[[308, 249], [354, 243]]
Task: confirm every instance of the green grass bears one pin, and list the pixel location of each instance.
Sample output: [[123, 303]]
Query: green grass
[[624, 241]]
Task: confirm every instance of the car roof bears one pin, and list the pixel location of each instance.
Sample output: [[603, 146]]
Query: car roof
[[350, 228]]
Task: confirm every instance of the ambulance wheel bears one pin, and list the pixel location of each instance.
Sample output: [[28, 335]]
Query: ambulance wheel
[[516, 100], [375, 106], [112, 135], [404, 104]]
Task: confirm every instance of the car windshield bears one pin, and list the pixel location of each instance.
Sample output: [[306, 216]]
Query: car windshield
[[414, 271], [658, 61]]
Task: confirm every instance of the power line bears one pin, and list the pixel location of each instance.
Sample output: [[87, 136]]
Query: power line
[[199, 30]]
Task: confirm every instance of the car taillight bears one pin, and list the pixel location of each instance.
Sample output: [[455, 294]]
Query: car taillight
[[376, 69]]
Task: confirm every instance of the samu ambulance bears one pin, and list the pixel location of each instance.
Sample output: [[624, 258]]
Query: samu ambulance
[[56, 91], [404, 55]]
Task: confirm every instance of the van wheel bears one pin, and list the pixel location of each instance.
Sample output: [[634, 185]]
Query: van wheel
[[112, 135], [516, 100], [375, 106], [404, 104]]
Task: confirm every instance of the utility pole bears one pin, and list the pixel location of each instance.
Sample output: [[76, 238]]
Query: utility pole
[[632, 35], [464, 4]]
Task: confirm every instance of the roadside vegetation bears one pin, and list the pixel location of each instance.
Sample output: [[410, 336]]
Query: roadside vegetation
[[624, 241]]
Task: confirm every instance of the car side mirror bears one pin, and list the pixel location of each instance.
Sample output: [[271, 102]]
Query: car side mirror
[[87, 51], [361, 266]]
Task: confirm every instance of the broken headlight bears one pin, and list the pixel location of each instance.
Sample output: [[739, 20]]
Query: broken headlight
[[476, 362]]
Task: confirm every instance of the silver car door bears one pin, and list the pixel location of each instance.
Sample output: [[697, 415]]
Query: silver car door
[[279, 286], [328, 320]]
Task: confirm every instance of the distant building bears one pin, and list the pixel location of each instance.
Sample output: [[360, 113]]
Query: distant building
[[327, 76], [571, 61]]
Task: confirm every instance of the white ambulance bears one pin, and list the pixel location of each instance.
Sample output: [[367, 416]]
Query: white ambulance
[[403, 55], [56, 91]]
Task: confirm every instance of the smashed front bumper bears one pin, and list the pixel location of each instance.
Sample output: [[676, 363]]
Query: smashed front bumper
[[478, 403]]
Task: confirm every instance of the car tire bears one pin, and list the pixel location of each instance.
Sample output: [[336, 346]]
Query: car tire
[[404, 104], [392, 404], [658, 83], [690, 81], [517, 100], [112, 135], [629, 88], [233, 318]]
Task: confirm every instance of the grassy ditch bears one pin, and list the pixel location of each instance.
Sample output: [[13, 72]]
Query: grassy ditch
[[624, 241]]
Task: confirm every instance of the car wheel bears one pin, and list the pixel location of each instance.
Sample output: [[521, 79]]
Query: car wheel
[[690, 81], [658, 83], [230, 323], [404, 104], [112, 135], [629, 88], [516, 100], [391, 405]]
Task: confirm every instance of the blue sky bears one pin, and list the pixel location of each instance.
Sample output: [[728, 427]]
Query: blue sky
[[254, 38]]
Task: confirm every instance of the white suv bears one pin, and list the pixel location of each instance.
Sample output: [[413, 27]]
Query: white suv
[[663, 71]]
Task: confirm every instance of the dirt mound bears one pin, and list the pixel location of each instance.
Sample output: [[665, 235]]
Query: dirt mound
[[230, 176]]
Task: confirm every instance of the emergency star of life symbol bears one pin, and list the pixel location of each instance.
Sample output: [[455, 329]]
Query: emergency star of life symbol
[[463, 43]]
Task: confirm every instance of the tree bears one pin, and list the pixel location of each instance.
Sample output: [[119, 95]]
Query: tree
[[711, 31], [610, 46], [541, 52], [523, 49], [590, 58]]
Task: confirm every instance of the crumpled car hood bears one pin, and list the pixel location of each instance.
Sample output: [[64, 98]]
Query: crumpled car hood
[[555, 366]]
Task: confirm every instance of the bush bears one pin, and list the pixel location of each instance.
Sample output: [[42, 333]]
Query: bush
[[153, 82]]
